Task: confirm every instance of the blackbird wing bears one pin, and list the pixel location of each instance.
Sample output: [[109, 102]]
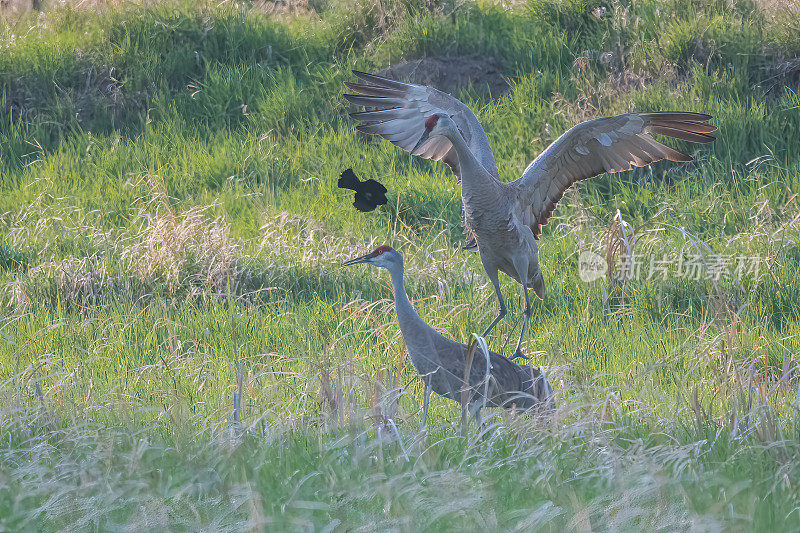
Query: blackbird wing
[[375, 192], [348, 180], [364, 204], [374, 187]]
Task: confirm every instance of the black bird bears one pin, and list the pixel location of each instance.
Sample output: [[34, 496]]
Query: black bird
[[369, 194]]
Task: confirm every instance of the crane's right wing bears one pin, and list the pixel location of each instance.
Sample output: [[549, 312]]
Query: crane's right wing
[[397, 112], [608, 144]]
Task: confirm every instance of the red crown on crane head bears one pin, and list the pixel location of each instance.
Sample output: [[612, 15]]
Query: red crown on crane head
[[431, 122], [381, 249]]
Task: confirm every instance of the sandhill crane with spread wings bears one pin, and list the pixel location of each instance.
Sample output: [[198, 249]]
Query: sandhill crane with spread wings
[[507, 218], [442, 363]]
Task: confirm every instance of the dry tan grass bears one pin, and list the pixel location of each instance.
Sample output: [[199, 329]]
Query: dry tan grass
[[12, 9], [183, 249], [18, 299], [284, 8], [781, 7], [288, 235]]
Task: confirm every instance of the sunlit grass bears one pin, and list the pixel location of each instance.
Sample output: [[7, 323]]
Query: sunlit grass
[[171, 236]]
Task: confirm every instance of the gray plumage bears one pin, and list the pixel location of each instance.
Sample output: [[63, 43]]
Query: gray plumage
[[507, 218], [441, 362]]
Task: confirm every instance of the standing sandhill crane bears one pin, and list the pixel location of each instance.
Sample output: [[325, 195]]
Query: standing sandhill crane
[[442, 362], [507, 218]]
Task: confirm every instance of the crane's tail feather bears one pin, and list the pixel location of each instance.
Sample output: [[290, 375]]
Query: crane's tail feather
[[686, 126], [382, 81], [681, 116], [380, 115], [682, 134], [373, 90], [381, 102]]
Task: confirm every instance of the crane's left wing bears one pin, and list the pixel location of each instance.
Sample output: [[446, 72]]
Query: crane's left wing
[[397, 111], [610, 144]]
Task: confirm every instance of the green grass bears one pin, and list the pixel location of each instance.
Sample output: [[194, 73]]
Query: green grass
[[170, 223]]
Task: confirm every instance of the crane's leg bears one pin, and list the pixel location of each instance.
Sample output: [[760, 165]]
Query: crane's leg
[[528, 312], [502, 311], [427, 380], [475, 410]]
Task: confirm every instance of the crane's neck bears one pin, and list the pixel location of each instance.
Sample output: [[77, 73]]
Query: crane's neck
[[413, 328], [476, 182], [467, 162]]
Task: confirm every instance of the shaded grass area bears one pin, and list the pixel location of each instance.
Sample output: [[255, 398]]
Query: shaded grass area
[[171, 228]]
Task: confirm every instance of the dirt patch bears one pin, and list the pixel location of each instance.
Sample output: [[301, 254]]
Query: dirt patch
[[453, 73]]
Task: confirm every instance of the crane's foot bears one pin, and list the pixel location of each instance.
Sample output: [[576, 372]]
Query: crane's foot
[[471, 246], [519, 355]]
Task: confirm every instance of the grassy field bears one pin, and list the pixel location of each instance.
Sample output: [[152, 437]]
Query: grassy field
[[171, 235]]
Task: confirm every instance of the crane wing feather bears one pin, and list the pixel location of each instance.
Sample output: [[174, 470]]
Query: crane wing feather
[[610, 144], [397, 112]]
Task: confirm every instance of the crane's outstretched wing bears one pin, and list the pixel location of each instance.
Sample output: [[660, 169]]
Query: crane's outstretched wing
[[610, 144], [397, 111]]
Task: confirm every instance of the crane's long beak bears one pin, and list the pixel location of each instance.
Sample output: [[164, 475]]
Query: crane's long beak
[[357, 260], [425, 136], [538, 286]]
